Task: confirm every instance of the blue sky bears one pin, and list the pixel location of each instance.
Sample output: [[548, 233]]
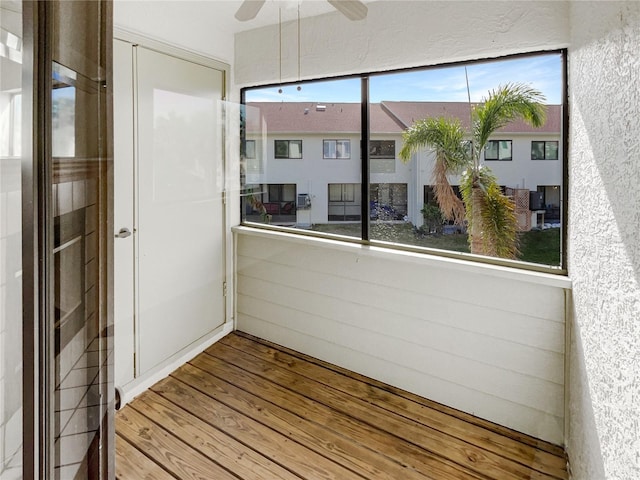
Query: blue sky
[[543, 72]]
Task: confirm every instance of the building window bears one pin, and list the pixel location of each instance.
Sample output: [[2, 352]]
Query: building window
[[281, 199], [547, 150], [388, 201], [498, 150], [344, 202], [430, 196], [551, 199], [336, 149], [288, 148], [250, 149], [382, 149]]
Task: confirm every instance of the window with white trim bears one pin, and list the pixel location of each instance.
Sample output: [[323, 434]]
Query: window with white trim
[[498, 150], [544, 150], [288, 149], [336, 149]]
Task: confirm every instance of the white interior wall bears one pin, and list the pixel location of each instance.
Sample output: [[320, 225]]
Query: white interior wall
[[486, 340], [604, 228], [407, 34], [191, 25], [398, 34], [602, 37]]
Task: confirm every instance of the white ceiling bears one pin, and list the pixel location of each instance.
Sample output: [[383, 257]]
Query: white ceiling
[[224, 10], [206, 26]]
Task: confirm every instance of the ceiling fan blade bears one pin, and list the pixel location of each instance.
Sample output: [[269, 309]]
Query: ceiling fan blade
[[352, 9], [249, 9]]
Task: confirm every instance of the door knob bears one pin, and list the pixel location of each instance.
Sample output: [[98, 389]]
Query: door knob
[[123, 233]]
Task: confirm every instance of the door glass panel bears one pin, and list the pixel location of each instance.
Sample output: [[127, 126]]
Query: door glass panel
[[10, 241], [80, 375]]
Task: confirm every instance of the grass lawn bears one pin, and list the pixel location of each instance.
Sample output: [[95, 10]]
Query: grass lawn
[[536, 246]]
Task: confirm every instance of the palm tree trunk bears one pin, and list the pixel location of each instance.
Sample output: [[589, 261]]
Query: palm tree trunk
[[476, 242]]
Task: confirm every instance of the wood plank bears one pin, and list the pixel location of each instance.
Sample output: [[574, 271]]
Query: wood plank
[[500, 411], [517, 451], [252, 410], [279, 448], [223, 449], [466, 455], [457, 414], [388, 370], [490, 381], [334, 446], [132, 464], [163, 448], [398, 449]]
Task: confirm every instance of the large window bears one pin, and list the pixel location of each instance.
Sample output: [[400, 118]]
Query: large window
[[288, 149], [498, 150], [381, 194], [382, 148], [544, 150], [388, 201], [250, 149], [344, 202], [336, 149], [382, 156]]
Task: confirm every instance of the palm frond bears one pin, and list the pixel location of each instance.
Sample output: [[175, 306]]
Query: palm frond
[[446, 137], [491, 219], [499, 224], [505, 104], [451, 206]]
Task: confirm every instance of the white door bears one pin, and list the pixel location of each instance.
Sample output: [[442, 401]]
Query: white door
[[178, 215]]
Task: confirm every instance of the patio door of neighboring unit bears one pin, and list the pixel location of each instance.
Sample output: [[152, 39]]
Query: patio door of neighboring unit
[[169, 215]]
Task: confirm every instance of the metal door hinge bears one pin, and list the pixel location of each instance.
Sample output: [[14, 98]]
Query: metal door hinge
[[224, 289]]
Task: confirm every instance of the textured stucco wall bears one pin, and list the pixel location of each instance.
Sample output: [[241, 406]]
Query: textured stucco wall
[[399, 34], [604, 240]]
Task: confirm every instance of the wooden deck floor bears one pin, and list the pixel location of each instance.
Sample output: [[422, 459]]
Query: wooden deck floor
[[247, 409]]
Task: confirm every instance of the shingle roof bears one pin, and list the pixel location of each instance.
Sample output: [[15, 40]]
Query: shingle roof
[[385, 117], [409, 112]]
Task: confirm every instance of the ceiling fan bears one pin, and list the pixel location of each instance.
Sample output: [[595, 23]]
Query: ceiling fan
[[352, 9]]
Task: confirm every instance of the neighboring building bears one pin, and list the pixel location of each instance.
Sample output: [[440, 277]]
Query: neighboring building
[[303, 161]]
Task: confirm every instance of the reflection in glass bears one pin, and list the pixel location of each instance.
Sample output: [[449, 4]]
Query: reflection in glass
[[183, 146], [294, 179], [10, 241]]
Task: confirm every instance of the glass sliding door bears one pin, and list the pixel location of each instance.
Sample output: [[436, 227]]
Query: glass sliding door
[[67, 251], [81, 376], [10, 241]]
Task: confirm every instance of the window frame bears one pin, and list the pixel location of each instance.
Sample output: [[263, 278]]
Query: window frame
[[247, 149], [288, 154], [544, 149], [382, 156], [498, 158], [365, 160], [336, 142]]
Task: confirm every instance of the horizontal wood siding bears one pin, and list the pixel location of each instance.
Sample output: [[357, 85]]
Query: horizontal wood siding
[[483, 340]]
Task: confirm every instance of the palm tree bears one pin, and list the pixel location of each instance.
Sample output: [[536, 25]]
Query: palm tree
[[490, 215]]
